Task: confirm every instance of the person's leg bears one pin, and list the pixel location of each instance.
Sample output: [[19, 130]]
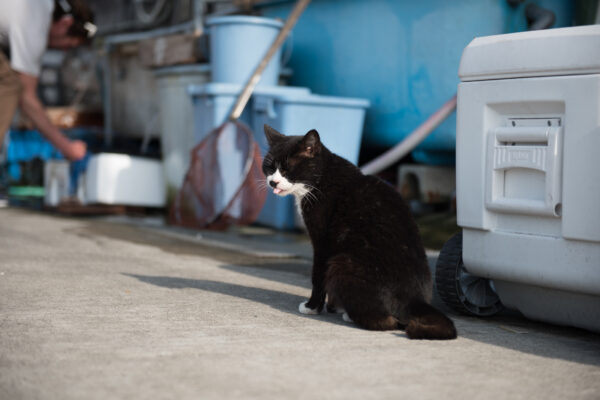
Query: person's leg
[[10, 91]]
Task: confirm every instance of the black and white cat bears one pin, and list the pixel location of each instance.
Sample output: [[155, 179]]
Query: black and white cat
[[368, 257]]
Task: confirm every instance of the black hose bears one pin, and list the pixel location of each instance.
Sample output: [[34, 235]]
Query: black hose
[[538, 17]]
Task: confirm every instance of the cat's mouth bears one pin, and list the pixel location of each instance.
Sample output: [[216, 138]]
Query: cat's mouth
[[280, 192]]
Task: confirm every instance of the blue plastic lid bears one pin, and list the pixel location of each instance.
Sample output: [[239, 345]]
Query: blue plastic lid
[[244, 19], [234, 89], [317, 100]]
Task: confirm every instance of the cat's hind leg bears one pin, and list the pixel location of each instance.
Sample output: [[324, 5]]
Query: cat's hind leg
[[350, 284], [334, 305]]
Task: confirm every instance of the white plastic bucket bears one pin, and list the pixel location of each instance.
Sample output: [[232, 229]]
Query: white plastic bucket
[[177, 119], [237, 44]]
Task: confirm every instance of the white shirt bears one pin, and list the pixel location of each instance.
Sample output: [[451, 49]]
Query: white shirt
[[24, 28]]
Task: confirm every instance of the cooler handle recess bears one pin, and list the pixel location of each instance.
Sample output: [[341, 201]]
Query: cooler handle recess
[[518, 148]]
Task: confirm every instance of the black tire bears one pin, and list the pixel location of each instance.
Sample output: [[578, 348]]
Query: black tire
[[461, 291]]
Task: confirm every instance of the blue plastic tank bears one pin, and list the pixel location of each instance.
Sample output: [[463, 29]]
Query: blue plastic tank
[[402, 56]]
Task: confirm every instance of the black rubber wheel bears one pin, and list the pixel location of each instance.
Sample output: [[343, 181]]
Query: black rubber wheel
[[461, 291]]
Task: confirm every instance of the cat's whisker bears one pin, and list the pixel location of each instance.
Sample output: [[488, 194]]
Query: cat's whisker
[[310, 195], [263, 185]]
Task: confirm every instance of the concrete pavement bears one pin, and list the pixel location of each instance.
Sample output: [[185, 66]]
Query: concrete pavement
[[93, 309]]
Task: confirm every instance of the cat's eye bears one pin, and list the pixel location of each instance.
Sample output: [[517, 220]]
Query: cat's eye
[[280, 166], [268, 165]]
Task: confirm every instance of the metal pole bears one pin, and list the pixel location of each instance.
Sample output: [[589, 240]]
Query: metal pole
[[411, 141]]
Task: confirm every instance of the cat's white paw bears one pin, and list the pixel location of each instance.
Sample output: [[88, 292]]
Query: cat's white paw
[[346, 317], [305, 310]]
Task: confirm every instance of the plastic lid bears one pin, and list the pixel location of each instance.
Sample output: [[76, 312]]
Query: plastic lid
[[551, 52], [234, 89], [244, 19], [318, 100], [182, 69]]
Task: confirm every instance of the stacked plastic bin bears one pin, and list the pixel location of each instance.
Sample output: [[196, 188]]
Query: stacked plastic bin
[[237, 45]]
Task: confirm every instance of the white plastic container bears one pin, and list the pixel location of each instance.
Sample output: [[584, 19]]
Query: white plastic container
[[338, 120], [212, 104], [238, 43], [57, 182], [177, 119], [125, 180], [528, 171]]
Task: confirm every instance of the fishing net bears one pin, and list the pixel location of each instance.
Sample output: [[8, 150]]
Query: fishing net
[[222, 184]]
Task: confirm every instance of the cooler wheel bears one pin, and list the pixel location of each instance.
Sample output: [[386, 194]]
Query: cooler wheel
[[463, 292]]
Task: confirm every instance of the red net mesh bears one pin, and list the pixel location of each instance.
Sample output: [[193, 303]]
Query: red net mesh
[[221, 186]]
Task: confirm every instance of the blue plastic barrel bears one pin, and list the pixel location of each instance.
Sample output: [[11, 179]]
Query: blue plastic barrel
[[238, 43], [402, 56]]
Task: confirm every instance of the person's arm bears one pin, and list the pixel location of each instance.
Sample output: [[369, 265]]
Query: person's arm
[[33, 108]]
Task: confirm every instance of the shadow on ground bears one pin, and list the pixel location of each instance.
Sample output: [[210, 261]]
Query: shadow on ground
[[508, 330], [282, 301]]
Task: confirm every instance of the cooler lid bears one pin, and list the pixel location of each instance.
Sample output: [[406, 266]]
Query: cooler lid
[[551, 52]]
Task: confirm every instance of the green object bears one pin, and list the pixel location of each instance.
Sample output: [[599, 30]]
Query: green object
[[26, 191]]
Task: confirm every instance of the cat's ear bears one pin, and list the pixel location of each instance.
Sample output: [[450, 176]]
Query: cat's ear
[[272, 135], [311, 144]]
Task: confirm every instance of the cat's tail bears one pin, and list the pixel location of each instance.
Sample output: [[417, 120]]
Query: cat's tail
[[427, 322]]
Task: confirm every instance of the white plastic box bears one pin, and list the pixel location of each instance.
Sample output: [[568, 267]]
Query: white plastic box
[[528, 171], [338, 120], [125, 180]]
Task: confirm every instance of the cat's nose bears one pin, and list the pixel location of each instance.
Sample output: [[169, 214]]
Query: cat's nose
[[273, 184]]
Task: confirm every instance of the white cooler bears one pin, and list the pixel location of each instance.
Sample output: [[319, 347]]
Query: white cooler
[[528, 175]]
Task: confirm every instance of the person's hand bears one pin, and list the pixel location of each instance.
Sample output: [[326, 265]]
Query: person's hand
[[75, 150]]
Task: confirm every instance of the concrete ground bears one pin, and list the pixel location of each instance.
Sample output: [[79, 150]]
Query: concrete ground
[[97, 309]]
